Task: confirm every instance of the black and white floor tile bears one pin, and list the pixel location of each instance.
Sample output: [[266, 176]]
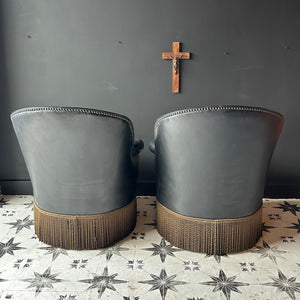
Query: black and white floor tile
[[144, 265]]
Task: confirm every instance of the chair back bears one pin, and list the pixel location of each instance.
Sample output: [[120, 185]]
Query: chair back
[[80, 161], [212, 162]]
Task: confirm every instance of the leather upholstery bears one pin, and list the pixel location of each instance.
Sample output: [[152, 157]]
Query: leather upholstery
[[80, 161], [212, 162]]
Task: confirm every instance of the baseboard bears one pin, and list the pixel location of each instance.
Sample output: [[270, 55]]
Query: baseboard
[[16, 187], [282, 191], [146, 188], [24, 187]]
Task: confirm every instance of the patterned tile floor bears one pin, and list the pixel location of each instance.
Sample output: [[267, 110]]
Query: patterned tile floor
[[145, 266]]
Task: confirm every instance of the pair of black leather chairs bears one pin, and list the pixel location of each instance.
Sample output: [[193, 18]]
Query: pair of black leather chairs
[[211, 165]]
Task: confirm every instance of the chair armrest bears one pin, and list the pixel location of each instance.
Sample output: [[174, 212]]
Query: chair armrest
[[138, 146], [152, 147]]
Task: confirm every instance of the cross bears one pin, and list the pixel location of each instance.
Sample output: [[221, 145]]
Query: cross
[[176, 55]]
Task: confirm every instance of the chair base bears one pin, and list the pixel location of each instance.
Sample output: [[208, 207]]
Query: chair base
[[211, 236], [79, 232]]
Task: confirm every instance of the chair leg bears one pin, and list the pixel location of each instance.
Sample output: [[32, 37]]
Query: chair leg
[[80, 232], [211, 236]]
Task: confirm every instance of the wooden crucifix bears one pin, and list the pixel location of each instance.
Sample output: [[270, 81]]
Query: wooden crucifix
[[176, 55]]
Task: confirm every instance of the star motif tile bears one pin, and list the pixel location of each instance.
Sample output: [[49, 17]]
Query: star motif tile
[[163, 283], [9, 247], [145, 266], [54, 251], [271, 252], [103, 282], [284, 284], [163, 250], [286, 206], [225, 284], [41, 281], [20, 224]]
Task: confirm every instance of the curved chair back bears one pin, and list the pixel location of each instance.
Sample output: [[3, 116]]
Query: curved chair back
[[212, 162], [80, 161]]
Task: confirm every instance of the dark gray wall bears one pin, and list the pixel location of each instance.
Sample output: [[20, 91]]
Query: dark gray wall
[[106, 54]]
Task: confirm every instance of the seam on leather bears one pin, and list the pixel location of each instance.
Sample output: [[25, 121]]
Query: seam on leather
[[216, 108], [77, 110]]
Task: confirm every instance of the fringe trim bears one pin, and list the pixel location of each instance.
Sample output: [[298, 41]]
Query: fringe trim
[[79, 232], [211, 236]]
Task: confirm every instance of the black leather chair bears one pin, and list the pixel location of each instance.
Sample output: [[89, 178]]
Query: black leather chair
[[83, 168], [211, 166]]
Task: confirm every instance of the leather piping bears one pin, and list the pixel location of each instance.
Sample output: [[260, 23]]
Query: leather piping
[[215, 108], [77, 110]]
